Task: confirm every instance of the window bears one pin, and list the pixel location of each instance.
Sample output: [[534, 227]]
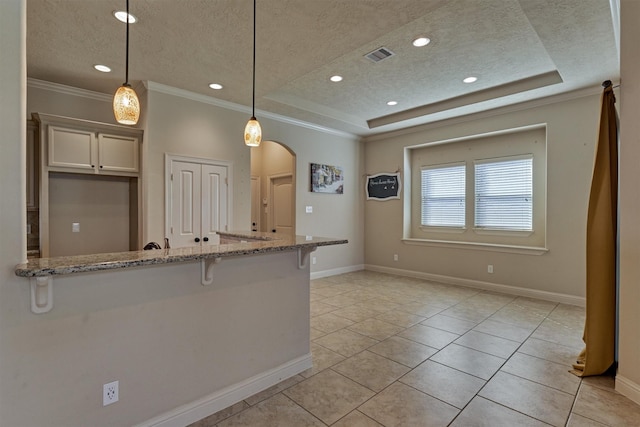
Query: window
[[504, 194], [443, 196], [484, 192]]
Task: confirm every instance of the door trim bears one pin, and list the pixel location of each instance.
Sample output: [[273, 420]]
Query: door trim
[[258, 181], [168, 161]]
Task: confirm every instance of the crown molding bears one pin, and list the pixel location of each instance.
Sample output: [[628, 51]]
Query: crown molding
[[205, 99], [69, 90], [521, 106]]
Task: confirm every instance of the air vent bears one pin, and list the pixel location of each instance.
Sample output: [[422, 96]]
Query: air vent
[[379, 54]]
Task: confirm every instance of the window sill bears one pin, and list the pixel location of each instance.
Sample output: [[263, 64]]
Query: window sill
[[526, 250]]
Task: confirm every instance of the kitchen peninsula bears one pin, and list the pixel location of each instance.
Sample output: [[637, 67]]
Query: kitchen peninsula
[[203, 327], [232, 244]]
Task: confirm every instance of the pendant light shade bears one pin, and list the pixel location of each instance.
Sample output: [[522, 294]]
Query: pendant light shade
[[126, 106], [253, 133], [253, 130]]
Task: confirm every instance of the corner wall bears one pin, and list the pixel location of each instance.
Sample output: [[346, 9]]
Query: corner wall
[[559, 273], [628, 378]]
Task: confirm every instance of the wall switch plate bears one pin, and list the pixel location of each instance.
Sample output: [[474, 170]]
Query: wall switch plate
[[490, 268], [395, 257], [309, 209], [313, 260], [110, 393], [75, 227]]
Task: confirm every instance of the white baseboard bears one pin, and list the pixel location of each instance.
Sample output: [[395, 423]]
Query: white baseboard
[[208, 405], [487, 286], [335, 271], [628, 388]]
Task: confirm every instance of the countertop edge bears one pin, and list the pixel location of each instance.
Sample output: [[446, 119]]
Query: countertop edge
[[102, 262]]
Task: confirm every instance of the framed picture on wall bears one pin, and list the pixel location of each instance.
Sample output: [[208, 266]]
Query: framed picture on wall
[[326, 179], [383, 186]]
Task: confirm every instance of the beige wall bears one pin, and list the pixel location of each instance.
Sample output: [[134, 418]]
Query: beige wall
[[100, 205], [571, 132], [628, 380]]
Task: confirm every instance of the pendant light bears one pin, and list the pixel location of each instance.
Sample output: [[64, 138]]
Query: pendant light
[[253, 131], [126, 107]]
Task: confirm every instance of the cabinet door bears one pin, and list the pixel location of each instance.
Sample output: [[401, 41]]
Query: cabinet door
[[71, 148], [118, 153]]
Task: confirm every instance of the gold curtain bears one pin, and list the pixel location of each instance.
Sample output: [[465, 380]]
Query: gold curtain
[[600, 324]]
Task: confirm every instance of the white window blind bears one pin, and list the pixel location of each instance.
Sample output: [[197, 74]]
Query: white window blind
[[504, 194], [443, 196]]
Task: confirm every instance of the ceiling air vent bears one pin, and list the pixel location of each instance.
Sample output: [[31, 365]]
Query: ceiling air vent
[[379, 54]]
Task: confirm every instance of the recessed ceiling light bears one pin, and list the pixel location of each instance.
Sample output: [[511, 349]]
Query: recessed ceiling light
[[470, 79], [336, 78], [392, 103], [421, 41], [121, 16], [102, 68], [215, 86]]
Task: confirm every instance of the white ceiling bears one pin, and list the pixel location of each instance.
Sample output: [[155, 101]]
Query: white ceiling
[[519, 50]]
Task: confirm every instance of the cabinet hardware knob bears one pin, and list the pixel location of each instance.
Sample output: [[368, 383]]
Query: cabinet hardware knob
[[197, 239], [206, 239], [100, 166], [93, 166]]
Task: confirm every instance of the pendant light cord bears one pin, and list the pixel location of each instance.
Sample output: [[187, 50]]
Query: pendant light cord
[[126, 68], [253, 100]]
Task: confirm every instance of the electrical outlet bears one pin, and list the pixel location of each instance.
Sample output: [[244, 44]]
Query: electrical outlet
[[110, 393], [490, 268], [395, 257], [308, 209], [75, 227]]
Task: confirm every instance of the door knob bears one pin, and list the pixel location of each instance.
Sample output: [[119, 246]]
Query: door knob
[[273, 231], [206, 239], [197, 239]]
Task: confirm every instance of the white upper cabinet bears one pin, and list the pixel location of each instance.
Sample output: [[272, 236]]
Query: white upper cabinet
[[80, 146], [94, 152]]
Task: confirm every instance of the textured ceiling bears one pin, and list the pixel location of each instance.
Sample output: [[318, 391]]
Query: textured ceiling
[[519, 50]]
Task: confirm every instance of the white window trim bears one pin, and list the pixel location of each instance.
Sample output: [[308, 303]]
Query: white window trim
[[491, 247], [490, 239]]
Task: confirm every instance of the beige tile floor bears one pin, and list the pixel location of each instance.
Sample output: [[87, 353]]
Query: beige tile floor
[[396, 351]]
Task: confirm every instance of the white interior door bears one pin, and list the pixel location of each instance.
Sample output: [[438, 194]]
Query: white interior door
[[198, 201], [214, 208], [281, 201], [186, 181]]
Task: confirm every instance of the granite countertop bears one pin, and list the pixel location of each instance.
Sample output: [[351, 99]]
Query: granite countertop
[[257, 243]]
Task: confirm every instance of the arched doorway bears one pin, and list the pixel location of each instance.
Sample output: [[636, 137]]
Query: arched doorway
[[273, 188]]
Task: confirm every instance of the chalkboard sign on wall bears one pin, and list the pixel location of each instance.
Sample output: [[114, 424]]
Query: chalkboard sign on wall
[[383, 186]]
